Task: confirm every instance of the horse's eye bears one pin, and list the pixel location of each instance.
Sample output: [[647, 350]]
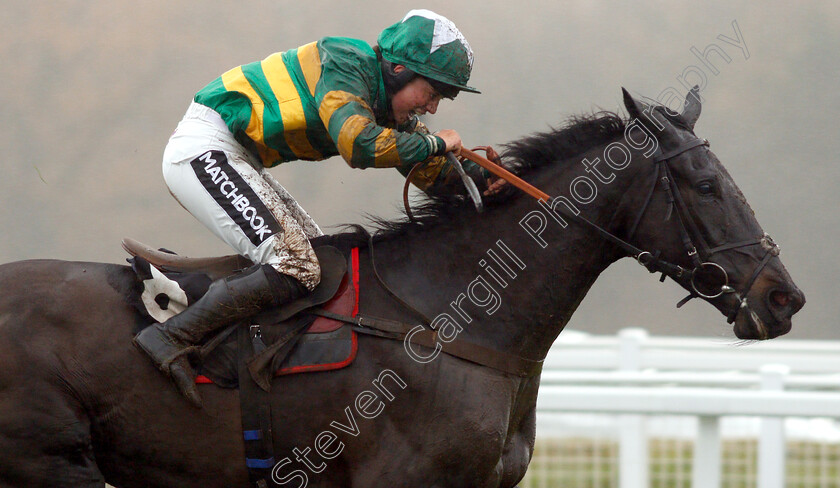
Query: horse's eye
[[706, 188]]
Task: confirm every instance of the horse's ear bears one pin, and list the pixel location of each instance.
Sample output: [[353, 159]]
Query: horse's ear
[[634, 107], [652, 119], [645, 113], [648, 116], [691, 112]]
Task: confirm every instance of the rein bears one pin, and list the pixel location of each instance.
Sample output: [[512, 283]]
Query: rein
[[484, 163], [700, 259], [702, 266]]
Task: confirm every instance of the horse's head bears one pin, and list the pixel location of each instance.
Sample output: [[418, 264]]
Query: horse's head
[[691, 211]]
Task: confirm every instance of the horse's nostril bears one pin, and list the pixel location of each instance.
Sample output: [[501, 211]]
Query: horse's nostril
[[780, 298]]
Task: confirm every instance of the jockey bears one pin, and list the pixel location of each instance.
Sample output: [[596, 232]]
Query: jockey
[[334, 96]]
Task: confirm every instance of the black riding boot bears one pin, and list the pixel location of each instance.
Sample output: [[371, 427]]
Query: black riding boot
[[227, 301]]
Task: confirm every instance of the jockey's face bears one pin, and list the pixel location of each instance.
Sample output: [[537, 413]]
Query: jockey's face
[[416, 97]]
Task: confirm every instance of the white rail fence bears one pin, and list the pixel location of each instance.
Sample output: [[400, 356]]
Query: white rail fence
[[639, 377]]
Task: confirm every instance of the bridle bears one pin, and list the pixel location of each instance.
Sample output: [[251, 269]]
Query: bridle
[[700, 255], [690, 236]]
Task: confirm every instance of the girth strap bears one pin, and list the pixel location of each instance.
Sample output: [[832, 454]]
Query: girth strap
[[255, 407], [498, 360], [459, 348]]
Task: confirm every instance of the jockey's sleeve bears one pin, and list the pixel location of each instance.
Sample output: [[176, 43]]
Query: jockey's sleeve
[[436, 175], [349, 85]]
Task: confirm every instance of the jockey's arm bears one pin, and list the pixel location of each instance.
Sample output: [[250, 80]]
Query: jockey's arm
[[437, 175], [344, 108], [365, 144]]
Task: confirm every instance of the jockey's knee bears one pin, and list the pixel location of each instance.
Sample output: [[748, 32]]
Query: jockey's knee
[[314, 277], [307, 273]]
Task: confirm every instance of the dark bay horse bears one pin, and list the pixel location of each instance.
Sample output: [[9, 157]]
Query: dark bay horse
[[79, 405]]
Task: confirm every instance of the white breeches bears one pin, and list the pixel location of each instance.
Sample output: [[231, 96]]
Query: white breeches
[[226, 188]]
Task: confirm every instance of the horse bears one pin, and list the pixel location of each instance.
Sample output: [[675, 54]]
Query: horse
[[80, 405]]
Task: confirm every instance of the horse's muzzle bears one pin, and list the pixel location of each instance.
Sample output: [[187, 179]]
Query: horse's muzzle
[[769, 311]]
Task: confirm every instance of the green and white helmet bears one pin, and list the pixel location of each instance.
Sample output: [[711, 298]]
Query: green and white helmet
[[431, 46]]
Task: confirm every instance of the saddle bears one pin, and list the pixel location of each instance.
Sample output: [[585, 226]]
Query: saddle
[[287, 340]]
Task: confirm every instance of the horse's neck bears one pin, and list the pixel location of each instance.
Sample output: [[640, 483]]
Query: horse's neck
[[491, 274]]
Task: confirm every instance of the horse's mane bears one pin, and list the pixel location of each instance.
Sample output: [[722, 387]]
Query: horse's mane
[[578, 134], [523, 157]]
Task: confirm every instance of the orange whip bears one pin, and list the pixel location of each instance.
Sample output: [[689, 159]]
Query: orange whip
[[490, 166], [504, 174]]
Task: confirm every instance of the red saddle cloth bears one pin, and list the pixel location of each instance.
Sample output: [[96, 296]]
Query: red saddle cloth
[[326, 344], [344, 302]]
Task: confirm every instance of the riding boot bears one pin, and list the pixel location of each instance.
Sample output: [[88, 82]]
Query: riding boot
[[226, 302]]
